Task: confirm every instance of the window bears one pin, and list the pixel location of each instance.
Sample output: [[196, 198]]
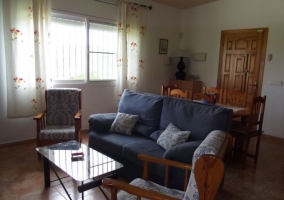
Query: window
[[69, 47], [102, 51]]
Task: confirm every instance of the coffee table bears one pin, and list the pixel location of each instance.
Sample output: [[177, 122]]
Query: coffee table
[[94, 165]]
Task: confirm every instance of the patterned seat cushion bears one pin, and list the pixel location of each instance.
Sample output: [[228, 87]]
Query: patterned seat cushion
[[65, 132], [122, 195]]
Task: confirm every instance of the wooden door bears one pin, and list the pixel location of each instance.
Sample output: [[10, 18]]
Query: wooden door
[[241, 61]]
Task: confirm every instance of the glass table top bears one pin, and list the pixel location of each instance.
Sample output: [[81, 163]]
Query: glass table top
[[92, 164]]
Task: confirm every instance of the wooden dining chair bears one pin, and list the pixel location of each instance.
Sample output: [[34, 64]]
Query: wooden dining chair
[[164, 89], [253, 128], [212, 91], [178, 93], [234, 98], [209, 99]]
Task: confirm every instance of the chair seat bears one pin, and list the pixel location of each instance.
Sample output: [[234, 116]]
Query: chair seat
[[64, 132], [122, 195], [241, 130]]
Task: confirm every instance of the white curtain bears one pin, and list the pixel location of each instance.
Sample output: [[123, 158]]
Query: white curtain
[[131, 60], [26, 38]]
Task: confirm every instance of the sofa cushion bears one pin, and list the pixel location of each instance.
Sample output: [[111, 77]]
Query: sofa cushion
[[200, 119], [177, 153], [172, 136], [101, 122], [149, 147], [112, 142], [156, 134], [147, 106], [143, 129], [124, 123]]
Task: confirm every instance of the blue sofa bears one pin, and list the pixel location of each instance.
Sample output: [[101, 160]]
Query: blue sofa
[[155, 114]]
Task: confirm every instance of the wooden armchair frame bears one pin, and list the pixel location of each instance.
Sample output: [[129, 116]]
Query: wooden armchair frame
[[41, 124], [208, 177]]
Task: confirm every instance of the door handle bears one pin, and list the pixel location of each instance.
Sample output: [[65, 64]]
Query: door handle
[[245, 72]]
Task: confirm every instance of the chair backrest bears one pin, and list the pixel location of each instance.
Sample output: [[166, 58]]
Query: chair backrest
[[178, 93], [234, 98], [212, 91], [164, 89], [257, 112], [61, 105], [202, 96]]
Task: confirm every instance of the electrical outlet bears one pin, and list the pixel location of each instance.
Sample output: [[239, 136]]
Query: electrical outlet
[[271, 82]]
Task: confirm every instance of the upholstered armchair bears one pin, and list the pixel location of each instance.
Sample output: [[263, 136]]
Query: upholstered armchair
[[207, 172], [61, 121]]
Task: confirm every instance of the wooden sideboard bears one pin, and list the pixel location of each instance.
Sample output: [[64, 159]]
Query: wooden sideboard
[[191, 86]]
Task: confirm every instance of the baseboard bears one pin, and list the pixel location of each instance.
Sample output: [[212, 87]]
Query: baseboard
[[12, 144], [273, 137]]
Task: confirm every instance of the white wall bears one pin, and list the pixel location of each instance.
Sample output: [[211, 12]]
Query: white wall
[[100, 97], [202, 27]]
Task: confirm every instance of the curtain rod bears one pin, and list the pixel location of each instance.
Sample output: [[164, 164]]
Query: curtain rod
[[149, 7], [144, 6]]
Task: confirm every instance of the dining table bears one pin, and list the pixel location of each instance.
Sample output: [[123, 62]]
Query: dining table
[[237, 111]]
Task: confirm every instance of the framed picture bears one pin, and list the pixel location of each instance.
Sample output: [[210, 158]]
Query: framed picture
[[163, 47]]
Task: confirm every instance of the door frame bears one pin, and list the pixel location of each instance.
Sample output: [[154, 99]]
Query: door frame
[[262, 56]]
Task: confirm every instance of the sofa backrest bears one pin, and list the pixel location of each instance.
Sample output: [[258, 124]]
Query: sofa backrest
[[147, 106], [198, 118]]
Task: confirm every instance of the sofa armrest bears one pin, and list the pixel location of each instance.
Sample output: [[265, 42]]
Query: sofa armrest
[[101, 122], [177, 153]]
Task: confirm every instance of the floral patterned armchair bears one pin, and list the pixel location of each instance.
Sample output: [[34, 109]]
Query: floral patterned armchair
[[207, 172], [61, 121]]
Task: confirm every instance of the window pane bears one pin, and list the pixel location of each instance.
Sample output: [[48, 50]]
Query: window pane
[[68, 48], [102, 51]]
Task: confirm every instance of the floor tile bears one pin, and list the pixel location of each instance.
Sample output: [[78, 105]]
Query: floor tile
[[21, 176]]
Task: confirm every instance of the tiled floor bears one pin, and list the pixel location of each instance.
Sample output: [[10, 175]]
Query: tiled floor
[[21, 176]]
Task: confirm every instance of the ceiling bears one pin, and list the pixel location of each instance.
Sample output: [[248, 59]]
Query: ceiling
[[183, 4]]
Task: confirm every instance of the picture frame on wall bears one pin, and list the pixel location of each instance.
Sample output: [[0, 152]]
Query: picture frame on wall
[[163, 46]]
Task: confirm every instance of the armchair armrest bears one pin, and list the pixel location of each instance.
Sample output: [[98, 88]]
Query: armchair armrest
[[77, 118], [116, 185], [78, 114], [40, 121], [168, 163], [101, 122], [39, 115]]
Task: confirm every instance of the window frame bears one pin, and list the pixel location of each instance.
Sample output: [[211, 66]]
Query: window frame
[[87, 19]]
